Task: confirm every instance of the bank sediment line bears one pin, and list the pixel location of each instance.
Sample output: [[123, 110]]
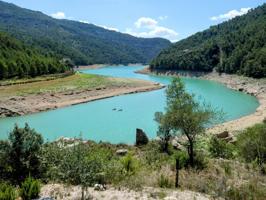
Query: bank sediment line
[[254, 87], [23, 105]]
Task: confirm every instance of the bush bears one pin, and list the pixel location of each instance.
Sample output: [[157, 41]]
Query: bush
[[250, 190], [77, 164], [7, 192], [200, 161], [183, 158], [129, 164], [251, 144], [165, 182], [220, 149], [30, 189]]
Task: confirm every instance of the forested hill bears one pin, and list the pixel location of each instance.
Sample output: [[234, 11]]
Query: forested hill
[[19, 60], [236, 46], [83, 43]]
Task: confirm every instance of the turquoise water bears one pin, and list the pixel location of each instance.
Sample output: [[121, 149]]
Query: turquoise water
[[97, 120]]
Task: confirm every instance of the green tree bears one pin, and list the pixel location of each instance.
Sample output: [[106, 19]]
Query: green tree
[[184, 115], [23, 153]]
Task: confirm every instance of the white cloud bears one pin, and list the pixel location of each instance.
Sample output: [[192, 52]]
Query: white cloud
[[59, 15], [231, 14], [163, 17], [109, 28], [145, 22], [149, 28]]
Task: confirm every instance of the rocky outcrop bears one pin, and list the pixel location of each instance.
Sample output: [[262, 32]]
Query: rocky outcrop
[[121, 152], [4, 112], [141, 138], [222, 135], [226, 136]]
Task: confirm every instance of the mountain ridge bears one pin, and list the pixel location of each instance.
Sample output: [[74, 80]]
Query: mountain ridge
[[237, 46], [83, 43]]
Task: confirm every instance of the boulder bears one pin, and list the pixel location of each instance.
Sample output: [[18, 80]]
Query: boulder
[[121, 152], [99, 187], [141, 137], [223, 135]]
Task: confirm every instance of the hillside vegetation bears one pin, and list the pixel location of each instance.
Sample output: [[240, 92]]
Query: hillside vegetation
[[236, 46], [19, 60], [182, 157], [83, 43]]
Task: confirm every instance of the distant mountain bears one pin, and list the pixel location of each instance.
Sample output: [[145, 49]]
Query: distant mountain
[[19, 60], [236, 46], [83, 43]]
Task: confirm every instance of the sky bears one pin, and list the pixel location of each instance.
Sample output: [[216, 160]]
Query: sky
[[170, 19]]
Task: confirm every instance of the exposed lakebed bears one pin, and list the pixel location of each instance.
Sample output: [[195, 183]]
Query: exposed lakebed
[[116, 119]]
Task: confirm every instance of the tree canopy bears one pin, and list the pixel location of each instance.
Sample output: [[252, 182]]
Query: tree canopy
[[19, 60], [236, 46]]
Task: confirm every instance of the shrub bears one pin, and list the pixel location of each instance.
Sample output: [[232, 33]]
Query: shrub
[[250, 190], [129, 164], [220, 149], [200, 161], [165, 182], [183, 158], [251, 144], [30, 189], [7, 192]]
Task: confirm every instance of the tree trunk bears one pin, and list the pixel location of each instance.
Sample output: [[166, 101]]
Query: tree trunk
[[191, 153], [82, 193], [177, 173], [166, 149]]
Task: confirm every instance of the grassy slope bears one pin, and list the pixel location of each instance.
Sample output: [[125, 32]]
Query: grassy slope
[[72, 82]]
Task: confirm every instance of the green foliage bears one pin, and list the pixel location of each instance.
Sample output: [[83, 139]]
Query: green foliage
[[77, 164], [19, 60], [220, 149], [165, 182], [252, 144], [184, 115], [83, 43], [7, 192], [30, 189], [22, 154], [129, 164], [236, 46]]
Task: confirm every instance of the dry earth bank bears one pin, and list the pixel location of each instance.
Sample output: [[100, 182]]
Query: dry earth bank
[[26, 98]]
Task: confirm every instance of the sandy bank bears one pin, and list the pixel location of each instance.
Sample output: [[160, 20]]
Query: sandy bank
[[33, 103], [255, 87]]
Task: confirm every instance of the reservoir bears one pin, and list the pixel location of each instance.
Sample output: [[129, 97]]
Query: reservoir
[[115, 119]]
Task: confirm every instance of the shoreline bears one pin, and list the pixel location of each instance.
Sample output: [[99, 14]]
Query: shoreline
[[98, 66], [251, 86], [20, 105]]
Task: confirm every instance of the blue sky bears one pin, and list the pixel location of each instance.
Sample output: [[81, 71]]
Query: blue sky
[[171, 19]]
